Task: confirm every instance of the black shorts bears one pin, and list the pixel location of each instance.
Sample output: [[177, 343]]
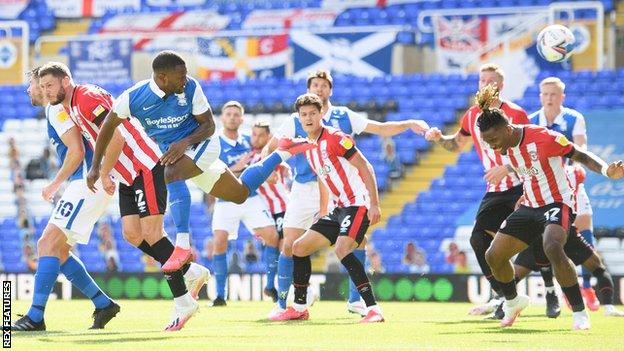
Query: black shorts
[[279, 224], [528, 224], [350, 221], [147, 196], [576, 248], [495, 207]]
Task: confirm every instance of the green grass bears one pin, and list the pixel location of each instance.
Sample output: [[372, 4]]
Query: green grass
[[243, 326]]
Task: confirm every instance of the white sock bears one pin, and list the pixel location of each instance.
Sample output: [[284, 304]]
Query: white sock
[[374, 307], [184, 300], [183, 240], [550, 289], [578, 314], [299, 307], [512, 301], [193, 271], [609, 308]]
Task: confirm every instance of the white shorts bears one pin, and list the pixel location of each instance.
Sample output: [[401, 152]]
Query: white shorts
[[206, 157], [583, 207], [78, 210], [302, 206], [253, 213]]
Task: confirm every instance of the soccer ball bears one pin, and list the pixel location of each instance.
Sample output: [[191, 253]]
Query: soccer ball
[[555, 43]]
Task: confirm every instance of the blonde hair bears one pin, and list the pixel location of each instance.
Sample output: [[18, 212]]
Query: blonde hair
[[233, 103], [322, 74], [553, 80], [486, 96], [492, 67]]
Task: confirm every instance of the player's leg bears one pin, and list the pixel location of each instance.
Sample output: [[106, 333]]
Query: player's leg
[[354, 303], [180, 208], [304, 204], [558, 222], [226, 219], [50, 247], [513, 237], [585, 227], [580, 252], [269, 256], [535, 259]]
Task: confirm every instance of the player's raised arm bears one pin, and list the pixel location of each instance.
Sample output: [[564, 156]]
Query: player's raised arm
[[388, 129], [74, 157], [368, 177], [615, 170], [101, 144]]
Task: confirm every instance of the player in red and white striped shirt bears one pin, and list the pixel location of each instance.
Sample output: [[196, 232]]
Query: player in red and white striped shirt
[[536, 153], [133, 158], [350, 180], [503, 185]]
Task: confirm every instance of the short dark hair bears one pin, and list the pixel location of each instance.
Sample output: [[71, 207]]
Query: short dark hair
[[322, 74], [56, 69], [167, 60], [489, 117], [308, 99]]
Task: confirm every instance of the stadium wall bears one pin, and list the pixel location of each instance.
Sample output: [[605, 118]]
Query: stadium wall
[[248, 287]]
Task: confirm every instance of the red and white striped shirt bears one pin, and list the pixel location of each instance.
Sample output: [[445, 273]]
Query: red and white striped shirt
[[89, 106], [539, 159], [330, 161], [489, 157], [275, 195]]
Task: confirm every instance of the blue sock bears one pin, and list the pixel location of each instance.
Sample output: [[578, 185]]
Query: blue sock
[[220, 272], [585, 273], [257, 173], [180, 205], [77, 274], [354, 295], [46, 275], [270, 256], [284, 278]]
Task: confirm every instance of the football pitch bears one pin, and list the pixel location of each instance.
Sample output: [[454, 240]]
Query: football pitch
[[243, 326]]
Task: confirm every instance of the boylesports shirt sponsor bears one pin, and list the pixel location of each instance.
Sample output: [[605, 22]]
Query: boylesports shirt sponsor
[[165, 118], [339, 117]]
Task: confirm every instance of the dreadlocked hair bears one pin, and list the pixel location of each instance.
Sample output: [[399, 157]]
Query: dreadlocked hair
[[489, 117]]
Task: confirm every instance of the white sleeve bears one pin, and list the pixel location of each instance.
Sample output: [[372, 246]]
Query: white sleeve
[[59, 119], [287, 129], [358, 122], [579, 126], [200, 102], [121, 105]]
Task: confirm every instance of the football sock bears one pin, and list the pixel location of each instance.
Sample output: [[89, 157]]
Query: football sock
[[585, 273], [77, 274], [47, 272], [254, 175], [573, 293], [605, 286], [180, 207], [358, 276], [163, 249], [509, 289], [220, 272], [284, 278], [354, 295], [547, 276], [301, 278], [270, 257]]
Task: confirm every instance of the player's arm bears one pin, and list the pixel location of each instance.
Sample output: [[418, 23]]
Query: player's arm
[[452, 143], [107, 131], [204, 131], [388, 129], [615, 170], [368, 177], [73, 158]]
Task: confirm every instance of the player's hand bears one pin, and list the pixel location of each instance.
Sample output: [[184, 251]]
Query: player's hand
[[419, 126], [50, 190], [494, 175], [616, 170], [175, 152], [433, 134], [519, 202], [108, 184], [92, 177], [242, 163], [374, 214]]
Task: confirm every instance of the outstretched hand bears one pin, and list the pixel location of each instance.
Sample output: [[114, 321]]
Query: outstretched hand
[[616, 170], [433, 134]]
